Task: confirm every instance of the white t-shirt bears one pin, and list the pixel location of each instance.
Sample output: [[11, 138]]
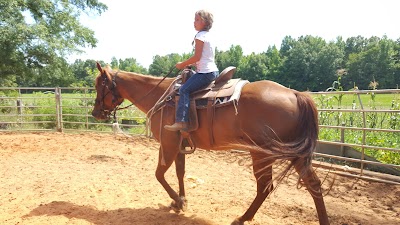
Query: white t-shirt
[[206, 64]]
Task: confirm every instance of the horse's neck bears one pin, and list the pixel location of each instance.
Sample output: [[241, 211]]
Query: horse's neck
[[142, 90]]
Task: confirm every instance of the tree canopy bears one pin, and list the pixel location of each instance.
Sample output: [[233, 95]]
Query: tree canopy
[[38, 33]]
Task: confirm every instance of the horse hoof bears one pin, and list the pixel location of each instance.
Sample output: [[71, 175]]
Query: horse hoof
[[179, 206], [237, 222], [174, 207]]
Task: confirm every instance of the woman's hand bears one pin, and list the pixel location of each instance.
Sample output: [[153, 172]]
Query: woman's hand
[[180, 65], [198, 51]]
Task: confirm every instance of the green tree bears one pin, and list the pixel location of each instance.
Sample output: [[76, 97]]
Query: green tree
[[274, 63], [232, 57], [131, 65], [287, 43], [329, 60], [253, 67], [396, 62], [37, 33], [162, 65], [54, 75], [310, 63], [114, 62], [354, 45], [376, 62], [84, 72]]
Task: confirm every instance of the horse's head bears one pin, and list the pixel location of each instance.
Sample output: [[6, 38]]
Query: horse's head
[[107, 98]]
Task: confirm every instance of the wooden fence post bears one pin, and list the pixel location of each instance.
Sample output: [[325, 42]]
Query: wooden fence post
[[58, 109]]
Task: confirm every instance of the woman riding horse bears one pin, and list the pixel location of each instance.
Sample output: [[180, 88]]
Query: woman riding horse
[[271, 121]]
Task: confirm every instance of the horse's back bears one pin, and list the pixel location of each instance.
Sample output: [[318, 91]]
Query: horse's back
[[260, 96], [268, 106]]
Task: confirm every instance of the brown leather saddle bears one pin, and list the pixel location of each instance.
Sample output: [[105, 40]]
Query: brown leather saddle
[[223, 86], [223, 91]]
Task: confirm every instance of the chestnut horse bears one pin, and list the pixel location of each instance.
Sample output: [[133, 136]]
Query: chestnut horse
[[270, 121]]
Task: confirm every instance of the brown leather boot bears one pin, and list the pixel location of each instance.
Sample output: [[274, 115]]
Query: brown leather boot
[[176, 126]]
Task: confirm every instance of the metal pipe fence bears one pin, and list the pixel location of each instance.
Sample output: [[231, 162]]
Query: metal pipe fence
[[358, 124], [375, 131], [60, 109]]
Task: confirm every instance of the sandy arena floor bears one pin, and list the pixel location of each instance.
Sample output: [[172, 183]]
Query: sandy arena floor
[[57, 178]]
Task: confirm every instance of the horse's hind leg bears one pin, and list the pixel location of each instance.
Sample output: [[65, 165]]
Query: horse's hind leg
[[313, 185], [263, 173], [180, 173]]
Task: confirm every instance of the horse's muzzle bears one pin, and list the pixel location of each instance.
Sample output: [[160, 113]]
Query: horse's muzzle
[[99, 115]]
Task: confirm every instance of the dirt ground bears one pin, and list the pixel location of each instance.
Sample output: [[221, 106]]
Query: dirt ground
[[58, 178]]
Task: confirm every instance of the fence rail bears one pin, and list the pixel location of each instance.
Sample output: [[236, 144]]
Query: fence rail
[[69, 109], [59, 109], [373, 112]]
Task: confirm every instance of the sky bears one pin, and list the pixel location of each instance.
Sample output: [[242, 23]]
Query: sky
[[144, 29]]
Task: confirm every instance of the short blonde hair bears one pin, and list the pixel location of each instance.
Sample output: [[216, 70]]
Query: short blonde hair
[[207, 17]]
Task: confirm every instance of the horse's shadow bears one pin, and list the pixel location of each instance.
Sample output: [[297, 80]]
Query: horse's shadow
[[122, 216]]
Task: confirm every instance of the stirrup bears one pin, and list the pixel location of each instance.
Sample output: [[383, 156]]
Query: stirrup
[[186, 141]]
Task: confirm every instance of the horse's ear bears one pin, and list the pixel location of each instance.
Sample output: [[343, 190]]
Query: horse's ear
[[108, 68], [99, 67]]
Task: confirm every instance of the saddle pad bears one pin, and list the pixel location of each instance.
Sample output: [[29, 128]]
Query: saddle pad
[[202, 102], [238, 90]]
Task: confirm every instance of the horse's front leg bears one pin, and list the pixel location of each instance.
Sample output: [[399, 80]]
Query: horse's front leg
[[165, 160]]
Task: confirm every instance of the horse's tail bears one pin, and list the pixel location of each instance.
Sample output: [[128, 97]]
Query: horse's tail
[[301, 148], [307, 129]]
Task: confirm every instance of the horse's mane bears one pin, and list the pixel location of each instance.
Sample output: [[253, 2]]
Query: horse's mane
[[144, 76]]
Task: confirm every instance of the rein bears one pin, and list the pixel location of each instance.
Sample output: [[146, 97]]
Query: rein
[[114, 85]]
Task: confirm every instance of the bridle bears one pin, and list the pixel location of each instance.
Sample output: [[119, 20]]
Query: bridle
[[107, 90], [112, 89]]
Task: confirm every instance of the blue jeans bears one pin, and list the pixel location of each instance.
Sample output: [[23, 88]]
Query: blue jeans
[[194, 83]]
